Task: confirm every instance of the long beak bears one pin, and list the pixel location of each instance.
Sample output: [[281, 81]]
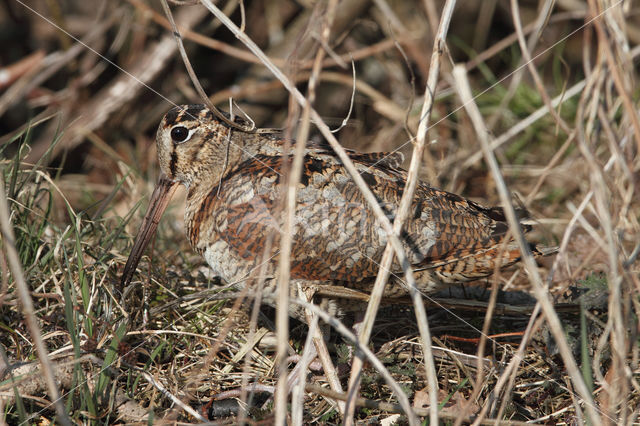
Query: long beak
[[159, 200]]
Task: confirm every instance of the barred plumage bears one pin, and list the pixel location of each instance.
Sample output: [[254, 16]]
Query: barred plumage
[[233, 211]]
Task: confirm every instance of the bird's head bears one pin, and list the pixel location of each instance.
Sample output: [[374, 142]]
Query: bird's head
[[194, 148]]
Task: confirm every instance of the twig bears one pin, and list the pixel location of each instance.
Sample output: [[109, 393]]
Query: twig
[[164, 391], [513, 37], [395, 408], [243, 55], [28, 310], [401, 214], [368, 353], [623, 91], [12, 72], [484, 335], [49, 65], [284, 265], [381, 104], [510, 373], [462, 84], [618, 391], [414, 48], [524, 124], [194, 77], [310, 351], [515, 11], [253, 320], [538, 25]]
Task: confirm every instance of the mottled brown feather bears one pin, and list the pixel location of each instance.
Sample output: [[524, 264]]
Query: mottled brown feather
[[461, 228], [233, 211]]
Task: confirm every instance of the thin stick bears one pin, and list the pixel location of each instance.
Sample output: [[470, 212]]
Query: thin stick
[[403, 400], [501, 45], [484, 335], [253, 321], [515, 11], [623, 91], [194, 77], [8, 239], [537, 27], [49, 65], [164, 391], [241, 54], [511, 371], [297, 398], [284, 265], [618, 390], [318, 339], [523, 125], [395, 408], [541, 294], [387, 257]]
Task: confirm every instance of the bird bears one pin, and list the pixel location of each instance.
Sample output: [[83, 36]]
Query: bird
[[233, 215]]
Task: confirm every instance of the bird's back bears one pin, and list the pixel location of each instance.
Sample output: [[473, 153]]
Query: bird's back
[[336, 236]]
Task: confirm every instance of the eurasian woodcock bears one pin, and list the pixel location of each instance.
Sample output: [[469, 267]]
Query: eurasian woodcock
[[232, 211]]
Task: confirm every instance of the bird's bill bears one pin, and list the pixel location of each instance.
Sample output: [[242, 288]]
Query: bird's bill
[[159, 200]]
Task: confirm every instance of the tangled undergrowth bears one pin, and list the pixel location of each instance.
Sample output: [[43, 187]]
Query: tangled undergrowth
[[77, 161]]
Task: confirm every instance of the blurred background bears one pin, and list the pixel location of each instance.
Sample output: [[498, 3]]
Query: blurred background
[[106, 120]]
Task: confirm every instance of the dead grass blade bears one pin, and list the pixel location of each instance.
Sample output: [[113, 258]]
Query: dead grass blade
[[403, 209], [28, 310], [541, 294]]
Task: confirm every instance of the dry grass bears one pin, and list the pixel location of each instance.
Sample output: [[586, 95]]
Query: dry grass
[[78, 160]]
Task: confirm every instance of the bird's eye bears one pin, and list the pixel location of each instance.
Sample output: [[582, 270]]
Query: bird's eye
[[180, 134]]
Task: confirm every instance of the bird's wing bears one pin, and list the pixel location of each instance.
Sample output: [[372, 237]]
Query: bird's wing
[[336, 236]]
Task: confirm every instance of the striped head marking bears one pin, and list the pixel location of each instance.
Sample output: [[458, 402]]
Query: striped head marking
[[192, 144], [191, 150]]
